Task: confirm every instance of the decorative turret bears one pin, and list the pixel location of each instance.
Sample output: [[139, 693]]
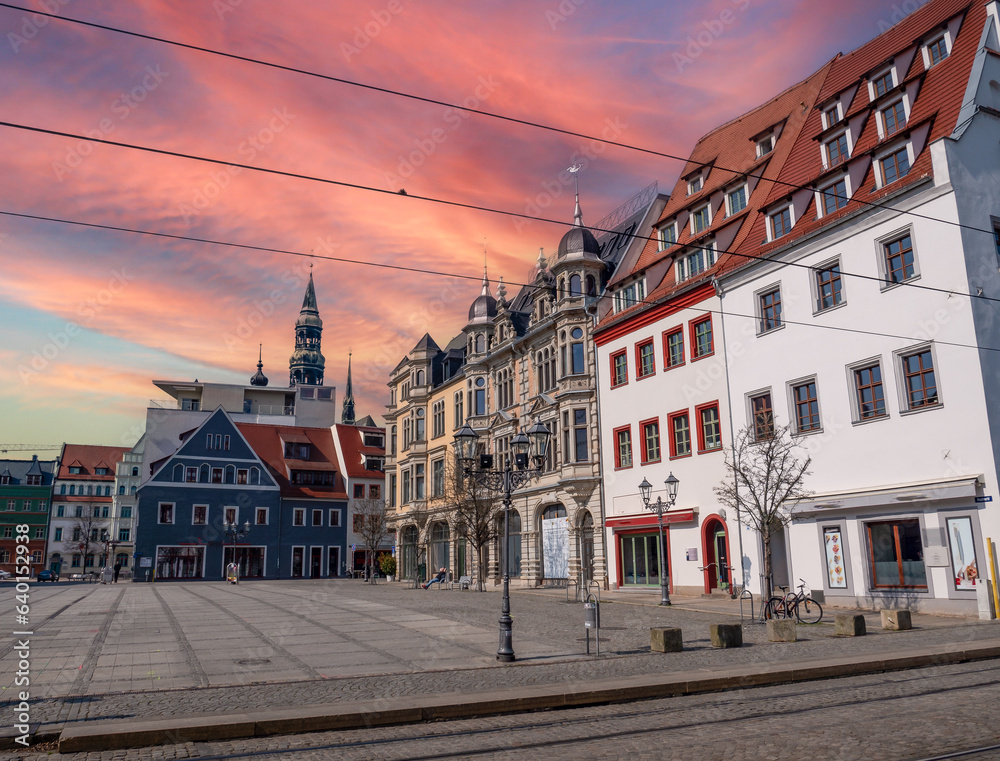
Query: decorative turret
[[578, 242], [306, 364], [347, 413], [259, 379], [484, 308]]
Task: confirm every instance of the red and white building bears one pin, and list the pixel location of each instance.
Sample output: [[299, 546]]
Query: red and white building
[[854, 298], [361, 457]]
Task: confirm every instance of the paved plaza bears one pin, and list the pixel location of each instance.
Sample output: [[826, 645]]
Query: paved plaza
[[147, 651]]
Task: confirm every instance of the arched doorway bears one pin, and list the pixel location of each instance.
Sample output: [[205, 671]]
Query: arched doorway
[[587, 548], [55, 563], [555, 542], [715, 544], [439, 548]]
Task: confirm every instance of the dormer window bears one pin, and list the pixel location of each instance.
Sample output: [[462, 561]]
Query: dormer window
[[75, 470], [831, 115], [630, 295], [880, 84], [668, 235], [894, 165], [4, 480], [765, 145], [736, 200], [780, 222], [937, 50], [892, 118], [836, 150], [834, 196], [695, 184], [100, 471], [701, 219], [695, 263]]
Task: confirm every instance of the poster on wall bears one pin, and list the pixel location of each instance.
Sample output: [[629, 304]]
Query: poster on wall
[[836, 569], [555, 548], [963, 553]]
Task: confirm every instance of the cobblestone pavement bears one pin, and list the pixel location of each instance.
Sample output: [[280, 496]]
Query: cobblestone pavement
[[904, 715], [162, 650]]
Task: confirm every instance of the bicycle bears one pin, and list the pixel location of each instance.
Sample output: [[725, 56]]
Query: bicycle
[[805, 609]]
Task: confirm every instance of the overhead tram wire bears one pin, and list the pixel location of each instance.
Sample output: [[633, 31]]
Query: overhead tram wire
[[643, 302], [467, 109], [446, 202]]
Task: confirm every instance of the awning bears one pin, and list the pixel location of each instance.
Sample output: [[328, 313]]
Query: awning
[[890, 495], [641, 521]]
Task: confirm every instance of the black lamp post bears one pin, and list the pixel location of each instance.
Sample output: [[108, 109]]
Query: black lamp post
[[529, 460], [234, 531], [660, 507]]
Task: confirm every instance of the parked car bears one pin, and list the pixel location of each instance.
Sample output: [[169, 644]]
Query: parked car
[[5, 574], [47, 576]]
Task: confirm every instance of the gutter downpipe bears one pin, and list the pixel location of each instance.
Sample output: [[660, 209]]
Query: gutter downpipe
[[732, 434], [600, 452]]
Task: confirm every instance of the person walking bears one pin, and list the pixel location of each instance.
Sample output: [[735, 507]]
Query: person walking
[[438, 578], [118, 570]]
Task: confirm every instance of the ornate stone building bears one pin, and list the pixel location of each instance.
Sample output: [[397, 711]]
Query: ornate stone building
[[517, 360]]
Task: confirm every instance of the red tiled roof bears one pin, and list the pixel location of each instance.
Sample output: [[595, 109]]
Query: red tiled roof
[[354, 451], [89, 457], [266, 440]]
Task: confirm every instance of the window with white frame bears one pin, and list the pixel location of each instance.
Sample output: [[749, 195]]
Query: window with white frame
[[334, 518], [736, 200], [836, 150], [831, 115], [765, 145], [780, 222], [700, 219], [668, 235], [881, 83], [834, 196], [893, 165], [695, 263], [630, 295], [695, 184], [936, 50], [918, 382]]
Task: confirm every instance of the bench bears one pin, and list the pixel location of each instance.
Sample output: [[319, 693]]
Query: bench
[[465, 582]]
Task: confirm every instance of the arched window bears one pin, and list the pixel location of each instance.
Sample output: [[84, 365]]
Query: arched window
[[107, 491], [132, 490], [121, 489], [178, 473], [480, 343], [203, 474], [255, 475], [591, 286], [420, 426], [420, 378], [574, 286], [409, 545], [230, 474], [479, 406], [62, 489], [135, 471]]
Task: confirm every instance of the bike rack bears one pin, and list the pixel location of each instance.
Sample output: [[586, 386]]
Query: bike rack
[[746, 594]]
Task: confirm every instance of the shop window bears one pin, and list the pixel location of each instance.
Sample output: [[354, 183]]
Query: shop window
[[896, 555]]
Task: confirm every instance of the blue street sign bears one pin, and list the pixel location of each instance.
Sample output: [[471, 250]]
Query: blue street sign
[[984, 499]]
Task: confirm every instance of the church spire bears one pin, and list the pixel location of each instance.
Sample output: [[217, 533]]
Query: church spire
[[306, 364], [347, 414]]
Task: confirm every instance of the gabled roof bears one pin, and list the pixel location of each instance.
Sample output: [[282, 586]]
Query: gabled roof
[[89, 457], [266, 441], [19, 470], [354, 451], [426, 344]]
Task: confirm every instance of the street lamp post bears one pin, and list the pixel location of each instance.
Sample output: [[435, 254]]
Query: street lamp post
[[109, 552], [234, 531], [529, 460], [660, 507]]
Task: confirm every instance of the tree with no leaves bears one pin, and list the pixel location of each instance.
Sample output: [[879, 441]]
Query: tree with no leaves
[[373, 528], [87, 534], [475, 509], [764, 475]]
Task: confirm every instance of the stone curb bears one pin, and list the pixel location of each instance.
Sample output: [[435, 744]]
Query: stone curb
[[119, 734]]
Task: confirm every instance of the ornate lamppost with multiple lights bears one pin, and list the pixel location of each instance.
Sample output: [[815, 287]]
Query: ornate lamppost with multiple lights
[[234, 531], [660, 507], [529, 460]]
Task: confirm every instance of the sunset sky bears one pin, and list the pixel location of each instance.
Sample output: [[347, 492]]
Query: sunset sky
[[88, 317]]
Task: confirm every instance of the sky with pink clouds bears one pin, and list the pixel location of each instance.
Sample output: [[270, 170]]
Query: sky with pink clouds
[[88, 317]]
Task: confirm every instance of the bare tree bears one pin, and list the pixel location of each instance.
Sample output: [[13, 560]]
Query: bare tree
[[373, 529], [88, 533], [475, 509], [764, 475]]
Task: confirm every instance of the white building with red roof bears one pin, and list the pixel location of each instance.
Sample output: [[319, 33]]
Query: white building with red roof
[[839, 244], [361, 457]]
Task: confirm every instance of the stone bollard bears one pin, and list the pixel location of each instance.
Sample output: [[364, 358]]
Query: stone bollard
[[896, 620], [781, 630], [849, 625], [665, 640], [726, 635]]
